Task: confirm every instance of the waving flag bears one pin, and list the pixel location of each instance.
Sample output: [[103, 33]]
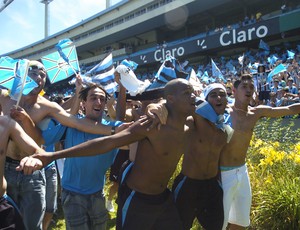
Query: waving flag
[[278, 69], [241, 60], [263, 45], [290, 54], [215, 70], [22, 84], [103, 74], [131, 64], [194, 80], [272, 60], [63, 63], [7, 72], [205, 77]]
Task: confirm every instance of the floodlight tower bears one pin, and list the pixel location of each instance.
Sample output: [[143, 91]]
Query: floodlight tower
[[46, 2]]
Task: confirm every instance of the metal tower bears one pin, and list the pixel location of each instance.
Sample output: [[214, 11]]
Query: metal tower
[[46, 2]]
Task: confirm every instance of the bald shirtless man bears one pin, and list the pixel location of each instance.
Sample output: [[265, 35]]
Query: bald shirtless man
[[10, 129], [144, 202], [197, 189], [234, 174], [29, 191]]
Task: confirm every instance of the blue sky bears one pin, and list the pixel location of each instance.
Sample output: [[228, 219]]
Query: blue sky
[[22, 22]]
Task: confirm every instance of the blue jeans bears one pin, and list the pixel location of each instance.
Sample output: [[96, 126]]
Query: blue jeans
[[28, 191], [84, 212], [51, 188]]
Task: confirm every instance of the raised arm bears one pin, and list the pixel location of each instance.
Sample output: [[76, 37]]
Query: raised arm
[[136, 132], [266, 111], [84, 125]]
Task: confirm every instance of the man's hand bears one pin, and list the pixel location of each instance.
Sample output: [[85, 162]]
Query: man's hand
[[159, 114], [123, 126], [35, 162], [29, 165], [19, 115]]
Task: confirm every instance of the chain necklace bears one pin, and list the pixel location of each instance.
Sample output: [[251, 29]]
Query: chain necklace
[[241, 110]]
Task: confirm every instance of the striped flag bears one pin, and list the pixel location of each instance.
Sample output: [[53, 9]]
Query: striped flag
[[103, 74]]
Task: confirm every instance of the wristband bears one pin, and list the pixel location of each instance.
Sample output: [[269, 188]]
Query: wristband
[[113, 130]]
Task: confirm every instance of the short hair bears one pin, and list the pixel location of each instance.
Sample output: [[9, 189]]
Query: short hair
[[244, 77], [171, 87], [84, 92]]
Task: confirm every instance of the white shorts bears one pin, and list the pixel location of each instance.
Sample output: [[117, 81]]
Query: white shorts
[[236, 196]]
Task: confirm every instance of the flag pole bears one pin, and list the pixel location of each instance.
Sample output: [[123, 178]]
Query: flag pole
[[23, 83]]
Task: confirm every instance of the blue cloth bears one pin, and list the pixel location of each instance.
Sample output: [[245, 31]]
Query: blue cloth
[[206, 111], [84, 175]]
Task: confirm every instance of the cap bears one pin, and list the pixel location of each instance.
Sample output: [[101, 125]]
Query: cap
[[290, 79], [211, 87], [276, 80], [33, 64]]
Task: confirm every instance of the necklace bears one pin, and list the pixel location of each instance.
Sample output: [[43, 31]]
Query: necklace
[[240, 109]]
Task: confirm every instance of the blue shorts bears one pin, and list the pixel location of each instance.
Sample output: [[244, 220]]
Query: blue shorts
[[51, 188], [84, 212], [28, 191]]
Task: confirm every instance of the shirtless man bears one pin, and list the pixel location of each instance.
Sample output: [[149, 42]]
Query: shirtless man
[[29, 191], [10, 129], [234, 174], [197, 189], [144, 202]]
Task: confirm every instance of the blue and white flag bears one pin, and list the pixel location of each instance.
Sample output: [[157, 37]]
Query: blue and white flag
[[169, 70], [62, 63], [216, 71], [272, 60], [263, 45], [22, 84], [278, 69], [131, 64], [7, 71], [205, 77], [290, 54], [103, 75], [194, 80]]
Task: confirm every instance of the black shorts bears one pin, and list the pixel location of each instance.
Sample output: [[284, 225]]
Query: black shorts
[[10, 217], [138, 211], [115, 168], [201, 199]]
